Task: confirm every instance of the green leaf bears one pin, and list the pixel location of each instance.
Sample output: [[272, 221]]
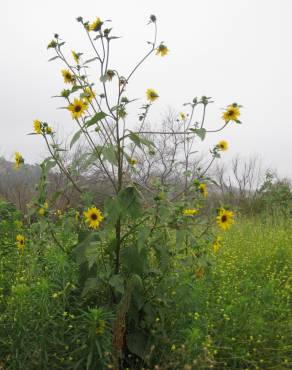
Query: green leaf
[[134, 261], [140, 141], [112, 211], [97, 117], [75, 88], [129, 201], [117, 282], [87, 243], [48, 164], [138, 343], [109, 154], [201, 132], [54, 58], [142, 235], [75, 138], [89, 285], [90, 60]]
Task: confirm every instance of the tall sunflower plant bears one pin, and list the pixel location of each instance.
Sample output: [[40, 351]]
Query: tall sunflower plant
[[130, 243]]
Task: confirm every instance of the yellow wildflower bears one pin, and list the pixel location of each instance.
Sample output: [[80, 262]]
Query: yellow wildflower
[[68, 77], [93, 217], [203, 190], [151, 95], [20, 242], [37, 126], [96, 25], [77, 108], [133, 161], [222, 145], [89, 94], [225, 219], [217, 244], [182, 116], [232, 113], [18, 160], [162, 50], [190, 212]]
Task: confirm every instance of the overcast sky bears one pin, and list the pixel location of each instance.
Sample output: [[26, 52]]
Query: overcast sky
[[232, 50]]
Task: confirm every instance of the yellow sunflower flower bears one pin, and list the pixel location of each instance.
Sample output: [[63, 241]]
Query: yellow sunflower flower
[[162, 50], [77, 108], [225, 219], [41, 211], [217, 244], [190, 211], [18, 160], [222, 145], [232, 113], [133, 162], [93, 217], [151, 95], [68, 77], [203, 190], [182, 116], [20, 242], [37, 126], [89, 94], [96, 25]]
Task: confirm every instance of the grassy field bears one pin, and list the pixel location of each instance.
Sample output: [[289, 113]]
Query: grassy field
[[235, 314]]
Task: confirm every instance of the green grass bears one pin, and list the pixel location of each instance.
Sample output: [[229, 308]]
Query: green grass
[[237, 316], [241, 309]]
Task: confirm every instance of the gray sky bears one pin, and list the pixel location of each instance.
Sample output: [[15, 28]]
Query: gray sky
[[232, 50]]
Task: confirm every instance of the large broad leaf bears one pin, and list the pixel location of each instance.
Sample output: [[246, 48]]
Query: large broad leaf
[[143, 233], [138, 343], [201, 132], [117, 282], [139, 141], [129, 202], [134, 261], [90, 284], [86, 242], [109, 154], [112, 211], [97, 117]]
